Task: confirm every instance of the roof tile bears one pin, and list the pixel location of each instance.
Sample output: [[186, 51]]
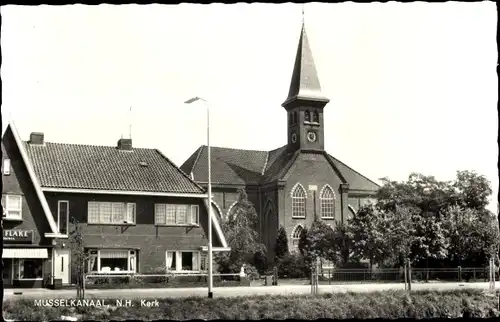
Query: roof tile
[[59, 165]]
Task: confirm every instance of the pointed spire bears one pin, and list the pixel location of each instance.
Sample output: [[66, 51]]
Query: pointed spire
[[305, 83]]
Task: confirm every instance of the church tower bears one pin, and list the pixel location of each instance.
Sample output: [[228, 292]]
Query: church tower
[[305, 102]]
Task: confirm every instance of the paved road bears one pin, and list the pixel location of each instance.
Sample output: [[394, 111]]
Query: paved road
[[236, 291]]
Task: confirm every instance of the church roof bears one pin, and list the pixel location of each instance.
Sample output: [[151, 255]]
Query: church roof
[[251, 167], [305, 82]]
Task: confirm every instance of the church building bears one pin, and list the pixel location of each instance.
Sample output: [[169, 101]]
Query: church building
[[291, 185]]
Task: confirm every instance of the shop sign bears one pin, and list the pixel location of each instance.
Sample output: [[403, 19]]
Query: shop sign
[[16, 236]]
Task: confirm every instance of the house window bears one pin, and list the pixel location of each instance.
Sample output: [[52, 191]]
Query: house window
[[296, 237], [112, 261], [327, 203], [63, 216], [298, 202], [12, 207], [183, 261], [6, 167], [111, 213], [169, 214], [28, 268]]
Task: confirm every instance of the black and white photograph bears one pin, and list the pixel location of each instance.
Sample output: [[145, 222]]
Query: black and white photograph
[[250, 161]]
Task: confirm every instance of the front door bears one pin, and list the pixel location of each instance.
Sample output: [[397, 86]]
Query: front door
[[62, 265]]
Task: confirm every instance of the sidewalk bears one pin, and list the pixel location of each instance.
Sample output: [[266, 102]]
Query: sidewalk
[[237, 291]]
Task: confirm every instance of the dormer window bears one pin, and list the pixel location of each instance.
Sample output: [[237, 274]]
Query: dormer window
[[315, 117], [6, 167], [307, 116]]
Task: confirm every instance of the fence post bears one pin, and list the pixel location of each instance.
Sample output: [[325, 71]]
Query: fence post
[[329, 276], [459, 273], [406, 277], [474, 274], [409, 275]]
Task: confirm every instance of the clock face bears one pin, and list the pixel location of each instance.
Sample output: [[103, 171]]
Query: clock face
[[311, 136], [294, 138]]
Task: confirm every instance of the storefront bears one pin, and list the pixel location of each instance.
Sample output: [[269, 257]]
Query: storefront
[[25, 264]]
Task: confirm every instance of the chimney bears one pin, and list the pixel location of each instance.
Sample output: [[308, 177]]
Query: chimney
[[125, 144], [36, 138]]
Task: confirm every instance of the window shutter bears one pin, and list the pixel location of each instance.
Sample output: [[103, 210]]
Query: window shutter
[[130, 214], [195, 215]]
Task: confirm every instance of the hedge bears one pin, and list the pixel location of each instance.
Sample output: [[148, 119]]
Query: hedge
[[387, 305]]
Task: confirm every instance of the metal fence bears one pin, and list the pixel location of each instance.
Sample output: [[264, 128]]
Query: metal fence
[[396, 275]]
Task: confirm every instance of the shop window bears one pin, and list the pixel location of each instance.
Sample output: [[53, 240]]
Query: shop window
[[28, 268]]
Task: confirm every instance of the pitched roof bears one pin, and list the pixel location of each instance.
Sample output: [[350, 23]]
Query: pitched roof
[[78, 166], [356, 180], [250, 167], [305, 82], [229, 166]]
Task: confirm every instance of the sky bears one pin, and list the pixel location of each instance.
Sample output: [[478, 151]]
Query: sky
[[412, 86]]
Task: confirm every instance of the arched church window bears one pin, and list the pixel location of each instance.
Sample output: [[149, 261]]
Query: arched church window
[[307, 116], [315, 117], [296, 237], [298, 202], [294, 119], [327, 202], [290, 118]]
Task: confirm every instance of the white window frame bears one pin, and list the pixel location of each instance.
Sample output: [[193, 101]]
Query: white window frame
[[327, 201], [132, 254], [178, 261], [301, 200], [193, 212], [8, 209], [125, 206], [6, 166], [59, 214]]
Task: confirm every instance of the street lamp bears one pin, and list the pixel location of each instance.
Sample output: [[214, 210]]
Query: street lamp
[[209, 196]]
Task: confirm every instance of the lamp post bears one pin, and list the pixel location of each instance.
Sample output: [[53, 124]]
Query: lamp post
[[209, 196]]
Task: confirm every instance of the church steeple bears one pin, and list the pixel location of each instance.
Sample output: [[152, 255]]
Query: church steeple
[[305, 83], [305, 101]]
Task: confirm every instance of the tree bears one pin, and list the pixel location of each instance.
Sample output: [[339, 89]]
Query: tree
[[342, 244], [472, 190], [401, 233], [432, 198], [461, 226], [79, 257], [281, 247], [241, 236], [368, 235]]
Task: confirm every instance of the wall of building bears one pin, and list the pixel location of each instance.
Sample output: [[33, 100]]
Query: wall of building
[[151, 241], [18, 182], [309, 169]]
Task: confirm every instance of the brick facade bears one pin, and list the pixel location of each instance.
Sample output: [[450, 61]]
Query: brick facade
[[150, 240]]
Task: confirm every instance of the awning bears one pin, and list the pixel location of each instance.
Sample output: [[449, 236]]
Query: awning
[[25, 253]]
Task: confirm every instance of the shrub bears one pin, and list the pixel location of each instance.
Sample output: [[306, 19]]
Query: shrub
[[252, 272], [293, 266]]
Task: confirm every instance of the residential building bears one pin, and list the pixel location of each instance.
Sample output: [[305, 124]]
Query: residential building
[[136, 209], [292, 184]]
